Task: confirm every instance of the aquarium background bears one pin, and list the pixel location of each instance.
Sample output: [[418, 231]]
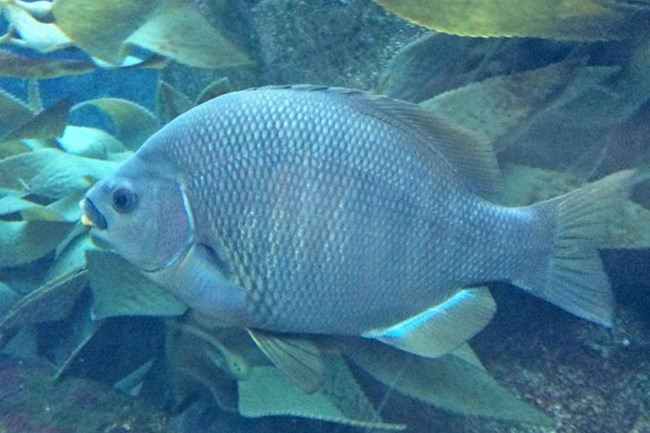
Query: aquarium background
[[560, 89]]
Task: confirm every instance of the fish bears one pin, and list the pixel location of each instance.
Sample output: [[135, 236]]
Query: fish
[[299, 210]]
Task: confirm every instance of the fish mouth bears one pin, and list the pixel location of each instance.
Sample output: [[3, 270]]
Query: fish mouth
[[91, 216]]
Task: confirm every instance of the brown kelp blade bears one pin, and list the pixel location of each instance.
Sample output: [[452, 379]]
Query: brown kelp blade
[[49, 123], [14, 112], [178, 31], [100, 28], [581, 20], [499, 106], [171, 102]]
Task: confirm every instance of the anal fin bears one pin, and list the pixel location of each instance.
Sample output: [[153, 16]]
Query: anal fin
[[443, 327], [299, 359]]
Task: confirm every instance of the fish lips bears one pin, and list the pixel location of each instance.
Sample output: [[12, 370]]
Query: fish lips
[[91, 216]]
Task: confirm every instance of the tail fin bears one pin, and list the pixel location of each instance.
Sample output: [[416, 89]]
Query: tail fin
[[574, 278]]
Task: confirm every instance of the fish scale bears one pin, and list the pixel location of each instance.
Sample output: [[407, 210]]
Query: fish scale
[[304, 209], [387, 209]]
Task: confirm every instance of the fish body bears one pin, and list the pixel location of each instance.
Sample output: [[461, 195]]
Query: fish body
[[330, 211]]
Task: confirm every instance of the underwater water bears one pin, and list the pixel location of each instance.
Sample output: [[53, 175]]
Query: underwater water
[[558, 91]]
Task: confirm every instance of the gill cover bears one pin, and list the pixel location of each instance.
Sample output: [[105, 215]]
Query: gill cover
[[141, 212]]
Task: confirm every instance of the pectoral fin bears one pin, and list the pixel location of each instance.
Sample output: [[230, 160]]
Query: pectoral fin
[[443, 327], [299, 359]]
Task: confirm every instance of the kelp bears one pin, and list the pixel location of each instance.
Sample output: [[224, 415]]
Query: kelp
[[497, 107], [42, 185], [578, 20], [100, 28], [50, 173], [91, 143], [179, 32], [268, 392], [43, 37], [119, 289], [14, 112], [50, 302], [134, 123], [48, 123], [526, 185], [107, 33], [23, 242], [445, 382]]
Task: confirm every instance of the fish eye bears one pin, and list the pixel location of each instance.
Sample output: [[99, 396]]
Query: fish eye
[[124, 199]]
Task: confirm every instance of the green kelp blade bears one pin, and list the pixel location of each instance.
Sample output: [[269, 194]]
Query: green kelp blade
[[14, 112], [133, 122], [23, 242], [19, 66], [581, 20], [10, 204], [65, 209], [68, 207], [119, 289], [100, 28], [40, 213], [71, 256], [49, 302], [268, 392], [51, 173], [49, 123], [466, 354], [177, 30], [448, 383], [499, 106], [89, 142]]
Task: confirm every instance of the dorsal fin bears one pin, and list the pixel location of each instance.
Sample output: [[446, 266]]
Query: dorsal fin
[[471, 158]]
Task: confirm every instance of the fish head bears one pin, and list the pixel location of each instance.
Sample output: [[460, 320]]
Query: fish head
[[142, 213]]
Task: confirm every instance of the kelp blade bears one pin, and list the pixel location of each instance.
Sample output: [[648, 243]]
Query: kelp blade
[[134, 123], [23, 242], [100, 28], [447, 382], [15, 65], [178, 31], [581, 20], [268, 392], [50, 173], [119, 289]]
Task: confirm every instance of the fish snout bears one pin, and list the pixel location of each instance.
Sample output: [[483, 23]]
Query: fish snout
[[91, 216]]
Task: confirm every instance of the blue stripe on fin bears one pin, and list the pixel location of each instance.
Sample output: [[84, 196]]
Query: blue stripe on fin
[[443, 327]]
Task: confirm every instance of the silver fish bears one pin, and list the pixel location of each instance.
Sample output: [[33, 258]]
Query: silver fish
[[314, 210]]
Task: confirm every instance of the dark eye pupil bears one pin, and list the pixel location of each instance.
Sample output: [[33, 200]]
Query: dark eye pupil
[[124, 200]]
